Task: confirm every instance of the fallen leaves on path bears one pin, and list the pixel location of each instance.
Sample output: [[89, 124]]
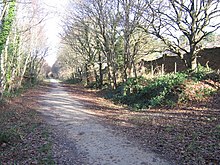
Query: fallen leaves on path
[[186, 134], [23, 134]]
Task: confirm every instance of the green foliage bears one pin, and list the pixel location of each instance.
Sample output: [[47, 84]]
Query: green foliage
[[134, 85], [73, 80], [140, 92], [9, 135], [202, 73], [12, 94], [4, 137], [18, 91], [205, 92], [93, 85], [166, 90], [7, 24]]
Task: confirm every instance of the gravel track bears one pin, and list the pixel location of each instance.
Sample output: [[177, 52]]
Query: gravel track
[[80, 138]]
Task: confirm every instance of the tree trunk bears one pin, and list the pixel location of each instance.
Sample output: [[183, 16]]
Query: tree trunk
[[87, 74], [96, 75], [114, 78], [191, 61], [24, 69], [100, 71], [3, 66], [109, 74], [79, 70], [194, 64]]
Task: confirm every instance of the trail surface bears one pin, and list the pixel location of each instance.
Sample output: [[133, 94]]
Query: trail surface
[[80, 138]]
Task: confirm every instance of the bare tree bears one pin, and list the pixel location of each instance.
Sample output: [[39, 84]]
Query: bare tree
[[106, 16], [31, 30], [131, 14], [95, 27], [81, 40], [193, 20], [22, 45], [107, 33]]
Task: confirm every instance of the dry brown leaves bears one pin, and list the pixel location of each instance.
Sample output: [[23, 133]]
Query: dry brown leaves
[[187, 134], [26, 134]]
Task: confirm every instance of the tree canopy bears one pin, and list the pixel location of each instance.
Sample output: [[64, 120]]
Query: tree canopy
[[108, 39]]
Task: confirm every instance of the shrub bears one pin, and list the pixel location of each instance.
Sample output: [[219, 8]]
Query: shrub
[[140, 93], [163, 90], [73, 80], [203, 73], [167, 90], [134, 85], [6, 136]]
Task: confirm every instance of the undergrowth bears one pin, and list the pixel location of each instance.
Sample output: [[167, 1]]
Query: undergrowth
[[18, 91], [167, 90], [73, 80]]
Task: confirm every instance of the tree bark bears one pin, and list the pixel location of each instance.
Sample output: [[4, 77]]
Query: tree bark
[[100, 71]]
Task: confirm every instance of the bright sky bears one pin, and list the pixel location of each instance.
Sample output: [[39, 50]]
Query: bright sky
[[56, 9]]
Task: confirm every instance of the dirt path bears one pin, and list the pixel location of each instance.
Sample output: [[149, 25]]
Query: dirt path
[[81, 139]]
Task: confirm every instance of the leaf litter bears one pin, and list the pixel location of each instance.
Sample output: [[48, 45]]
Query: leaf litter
[[24, 138], [188, 133]]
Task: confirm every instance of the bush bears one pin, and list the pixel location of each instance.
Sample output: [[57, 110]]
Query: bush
[[73, 80], [18, 91], [132, 86], [93, 85], [204, 73], [4, 137], [163, 90], [7, 136], [140, 93], [167, 90]]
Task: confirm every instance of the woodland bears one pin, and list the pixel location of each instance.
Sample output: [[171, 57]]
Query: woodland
[[108, 44], [105, 41], [108, 54], [22, 44]]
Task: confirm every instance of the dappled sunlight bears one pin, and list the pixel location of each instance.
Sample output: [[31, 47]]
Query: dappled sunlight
[[75, 118], [182, 130], [60, 108], [159, 117]]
